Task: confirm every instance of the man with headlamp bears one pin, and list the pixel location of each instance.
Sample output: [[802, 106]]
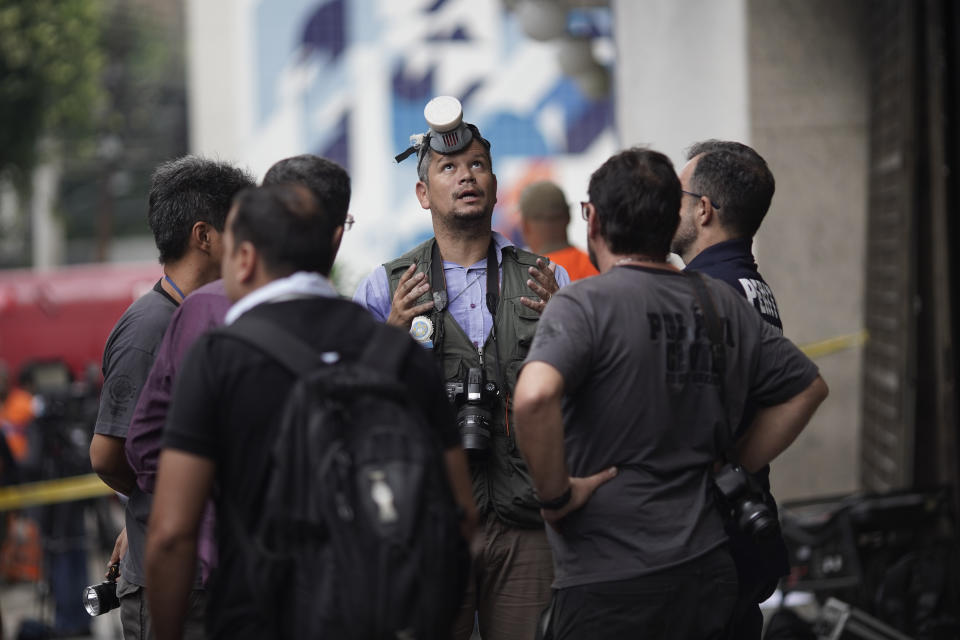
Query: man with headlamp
[[479, 323]]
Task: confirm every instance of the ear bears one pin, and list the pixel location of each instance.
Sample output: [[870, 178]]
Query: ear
[[524, 227], [705, 214], [200, 236], [593, 223], [423, 194], [247, 261], [335, 243]]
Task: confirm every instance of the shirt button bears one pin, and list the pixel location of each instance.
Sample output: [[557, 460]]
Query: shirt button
[[473, 306]]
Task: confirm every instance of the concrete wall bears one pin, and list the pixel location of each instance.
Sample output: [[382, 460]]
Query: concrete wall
[[681, 72], [217, 77], [790, 78], [809, 89]]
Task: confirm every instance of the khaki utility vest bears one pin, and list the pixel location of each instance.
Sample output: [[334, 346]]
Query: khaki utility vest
[[501, 481]]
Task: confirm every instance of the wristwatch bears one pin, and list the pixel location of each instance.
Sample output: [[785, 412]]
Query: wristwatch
[[559, 502]]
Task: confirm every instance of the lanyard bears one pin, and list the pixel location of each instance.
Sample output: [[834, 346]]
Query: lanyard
[[175, 287]]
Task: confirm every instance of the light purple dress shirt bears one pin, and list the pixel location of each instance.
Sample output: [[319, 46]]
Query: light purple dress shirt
[[466, 293]]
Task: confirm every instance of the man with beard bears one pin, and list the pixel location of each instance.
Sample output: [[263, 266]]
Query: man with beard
[[479, 323], [631, 392], [727, 189]]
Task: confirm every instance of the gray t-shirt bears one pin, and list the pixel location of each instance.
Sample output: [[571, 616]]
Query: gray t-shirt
[[127, 358], [640, 394]]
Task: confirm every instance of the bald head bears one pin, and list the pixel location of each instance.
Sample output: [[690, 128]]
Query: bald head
[[544, 201], [544, 214]]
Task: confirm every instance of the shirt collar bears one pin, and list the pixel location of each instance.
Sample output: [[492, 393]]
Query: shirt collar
[[726, 251], [500, 241], [301, 284]]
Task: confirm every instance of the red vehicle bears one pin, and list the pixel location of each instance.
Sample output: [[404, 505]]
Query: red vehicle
[[66, 314]]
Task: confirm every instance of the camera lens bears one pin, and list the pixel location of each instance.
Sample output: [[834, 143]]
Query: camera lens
[[100, 598], [756, 519], [474, 425], [91, 601]]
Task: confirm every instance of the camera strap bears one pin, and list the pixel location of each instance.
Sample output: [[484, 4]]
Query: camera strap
[[718, 354], [438, 282]]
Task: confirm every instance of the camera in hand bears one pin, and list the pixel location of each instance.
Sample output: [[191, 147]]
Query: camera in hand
[[474, 397], [101, 598], [741, 495]]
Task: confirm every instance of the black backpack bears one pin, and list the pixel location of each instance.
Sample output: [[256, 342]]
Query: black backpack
[[359, 536]]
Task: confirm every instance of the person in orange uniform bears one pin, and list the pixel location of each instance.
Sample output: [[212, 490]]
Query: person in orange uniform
[[16, 414], [544, 215]]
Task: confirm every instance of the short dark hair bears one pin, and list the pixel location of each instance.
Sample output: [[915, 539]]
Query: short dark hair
[[186, 191], [423, 158], [287, 226], [637, 197], [328, 181], [737, 179]]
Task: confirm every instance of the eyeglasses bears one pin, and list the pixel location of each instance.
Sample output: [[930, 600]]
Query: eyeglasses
[[700, 195], [585, 210], [348, 222]]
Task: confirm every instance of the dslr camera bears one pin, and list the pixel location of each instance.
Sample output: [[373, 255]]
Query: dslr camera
[[742, 499], [101, 598], [474, 397]]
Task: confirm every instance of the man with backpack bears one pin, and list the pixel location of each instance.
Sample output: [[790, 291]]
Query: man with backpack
[[204, 310], [330, 443]]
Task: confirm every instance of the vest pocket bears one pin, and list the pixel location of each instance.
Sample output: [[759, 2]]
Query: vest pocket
[[526, 324]]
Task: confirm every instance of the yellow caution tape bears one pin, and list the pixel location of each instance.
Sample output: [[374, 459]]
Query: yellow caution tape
[[91, 486], [833, 345], [51, 491]]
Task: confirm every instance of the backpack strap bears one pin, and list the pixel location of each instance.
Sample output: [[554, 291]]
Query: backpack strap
[[275, 341], [387, 350]]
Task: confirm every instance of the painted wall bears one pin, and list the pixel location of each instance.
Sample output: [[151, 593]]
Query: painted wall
[[348, 79]]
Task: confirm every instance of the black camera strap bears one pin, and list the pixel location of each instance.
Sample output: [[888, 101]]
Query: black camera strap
[[718, 354]]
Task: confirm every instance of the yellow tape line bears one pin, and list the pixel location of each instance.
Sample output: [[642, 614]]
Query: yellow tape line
[[91, 486], [833, 345], [50, 491]]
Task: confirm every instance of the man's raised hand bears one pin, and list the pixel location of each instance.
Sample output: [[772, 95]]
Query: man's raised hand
[[543, 282], [403, 308]]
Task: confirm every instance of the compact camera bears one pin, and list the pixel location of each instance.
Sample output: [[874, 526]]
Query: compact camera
[[743, 499], [101, 598], [475, 398]]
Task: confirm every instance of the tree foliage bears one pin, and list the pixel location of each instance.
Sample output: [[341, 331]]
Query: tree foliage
[[50, 64]]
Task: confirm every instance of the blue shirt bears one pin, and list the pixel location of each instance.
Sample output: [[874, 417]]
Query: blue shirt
[[732, 261], [466, 293]]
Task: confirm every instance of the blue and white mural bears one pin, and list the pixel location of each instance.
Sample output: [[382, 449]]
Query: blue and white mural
[[348, 79]]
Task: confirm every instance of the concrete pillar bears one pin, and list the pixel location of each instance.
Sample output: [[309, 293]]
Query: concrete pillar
[[789, 78], [809, 117], [47, 231], [681, 72]]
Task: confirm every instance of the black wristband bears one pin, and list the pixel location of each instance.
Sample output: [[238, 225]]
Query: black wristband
[[559, 502]]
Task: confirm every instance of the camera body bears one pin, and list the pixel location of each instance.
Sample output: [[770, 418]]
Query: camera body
[[742, 497], [474, 397]]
